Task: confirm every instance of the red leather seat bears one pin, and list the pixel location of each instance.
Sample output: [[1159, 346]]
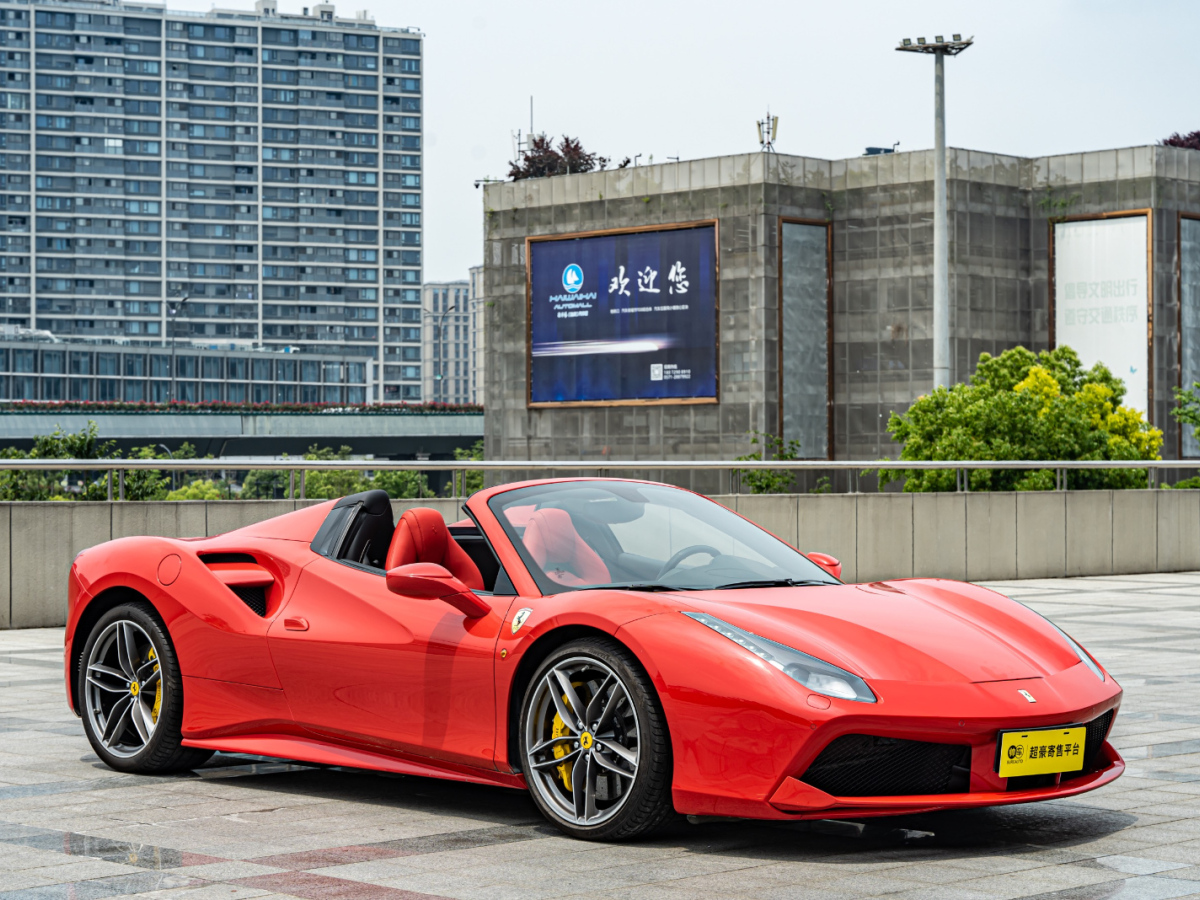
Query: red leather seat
[[421, 536], [555, 545]]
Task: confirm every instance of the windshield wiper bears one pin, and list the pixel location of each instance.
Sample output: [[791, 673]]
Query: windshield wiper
[[769, 582], [637, 586]]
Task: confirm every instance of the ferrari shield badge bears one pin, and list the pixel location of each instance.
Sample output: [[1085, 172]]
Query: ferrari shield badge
[[519, 619]]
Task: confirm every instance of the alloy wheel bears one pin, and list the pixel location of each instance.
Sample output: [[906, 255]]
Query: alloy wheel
[[582, 739], [124, 688]]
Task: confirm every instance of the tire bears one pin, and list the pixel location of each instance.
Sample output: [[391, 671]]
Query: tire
[[127, 656], [605, 783]]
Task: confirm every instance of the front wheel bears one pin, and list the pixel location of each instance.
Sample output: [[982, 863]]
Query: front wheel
[[594, 743], [132, 694]]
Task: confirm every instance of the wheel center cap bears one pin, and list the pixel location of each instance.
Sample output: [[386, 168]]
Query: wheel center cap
[[586, 740], [133, 688]]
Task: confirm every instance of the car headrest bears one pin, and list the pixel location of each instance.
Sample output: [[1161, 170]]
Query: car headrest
[[422, 536]]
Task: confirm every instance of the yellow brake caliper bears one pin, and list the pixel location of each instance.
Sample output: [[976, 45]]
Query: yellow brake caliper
[[157, 690], [560, 750]]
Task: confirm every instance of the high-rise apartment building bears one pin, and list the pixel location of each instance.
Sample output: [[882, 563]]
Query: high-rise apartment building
[[448, 341], [265, 165]]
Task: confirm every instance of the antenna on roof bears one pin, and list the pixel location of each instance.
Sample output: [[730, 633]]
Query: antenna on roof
[[768, 128]]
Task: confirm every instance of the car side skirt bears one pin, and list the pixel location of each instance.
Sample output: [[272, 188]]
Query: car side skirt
[[322, 753]]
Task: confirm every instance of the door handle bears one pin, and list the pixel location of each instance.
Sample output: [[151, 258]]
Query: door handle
[[295, 624]]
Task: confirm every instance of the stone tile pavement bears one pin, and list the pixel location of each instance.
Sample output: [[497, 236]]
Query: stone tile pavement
[[246, 827]]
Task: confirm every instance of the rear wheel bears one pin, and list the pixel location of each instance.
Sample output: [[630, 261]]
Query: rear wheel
[[132, 694], [594, 743]]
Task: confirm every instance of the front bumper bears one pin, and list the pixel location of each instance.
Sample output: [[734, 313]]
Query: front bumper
[[743, 735], [803, 801]]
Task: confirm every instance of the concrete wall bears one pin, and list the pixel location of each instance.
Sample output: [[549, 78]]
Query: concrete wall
[[38, 541], [972, 537], [983, 537]]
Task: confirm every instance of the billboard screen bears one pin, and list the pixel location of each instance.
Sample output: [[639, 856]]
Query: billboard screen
[[624, 317], [1101, 298]]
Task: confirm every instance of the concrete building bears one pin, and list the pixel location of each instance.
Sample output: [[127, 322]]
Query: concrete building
[[37, 366], [267, 165], [824, 272], [447, 342]]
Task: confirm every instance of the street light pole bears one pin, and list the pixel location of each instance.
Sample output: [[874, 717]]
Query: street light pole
[[940, 49], [172, 311], [438, 356]]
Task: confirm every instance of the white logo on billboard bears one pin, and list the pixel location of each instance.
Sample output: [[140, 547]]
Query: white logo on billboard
[[656, 372], [572, 278], [646, 281], [619, 284], [678, 278]]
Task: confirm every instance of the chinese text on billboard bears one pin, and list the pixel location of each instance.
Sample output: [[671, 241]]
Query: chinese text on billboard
[[624, 317]]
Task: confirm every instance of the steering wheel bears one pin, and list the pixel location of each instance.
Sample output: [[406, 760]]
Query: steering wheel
[[684, 554]]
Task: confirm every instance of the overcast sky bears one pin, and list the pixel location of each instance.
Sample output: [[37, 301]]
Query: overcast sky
[[689, 79]]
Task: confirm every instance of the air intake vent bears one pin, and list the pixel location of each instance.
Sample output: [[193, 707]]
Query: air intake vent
[[253, 595], [862, 765], [211, 558]]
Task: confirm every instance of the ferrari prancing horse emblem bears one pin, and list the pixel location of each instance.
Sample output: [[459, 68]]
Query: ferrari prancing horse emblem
[[1028, 696], [519, 619]]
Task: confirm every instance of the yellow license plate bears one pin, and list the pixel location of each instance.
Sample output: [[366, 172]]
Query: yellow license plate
[[1041, 751]]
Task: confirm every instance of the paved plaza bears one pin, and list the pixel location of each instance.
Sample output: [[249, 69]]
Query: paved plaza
[[243, 827]]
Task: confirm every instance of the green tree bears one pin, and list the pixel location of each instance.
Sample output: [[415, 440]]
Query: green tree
[[327, 485], [1188, 410], [266, 484], [402, 484], [153, 484], [198, 489], [56, 485], [1024, 406], [472, 479], [770, 481]]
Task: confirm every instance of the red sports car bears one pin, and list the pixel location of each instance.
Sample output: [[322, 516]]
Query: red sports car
[[625, 650]]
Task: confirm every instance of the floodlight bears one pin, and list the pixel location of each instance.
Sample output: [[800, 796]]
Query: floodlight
[[957, 37], [907, 42], [939, 40], [921, 41]]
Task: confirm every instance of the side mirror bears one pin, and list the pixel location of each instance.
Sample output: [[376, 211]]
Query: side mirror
[[429, 581], [827, 562]]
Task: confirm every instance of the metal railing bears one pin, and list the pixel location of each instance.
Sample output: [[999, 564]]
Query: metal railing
[[116, 468]]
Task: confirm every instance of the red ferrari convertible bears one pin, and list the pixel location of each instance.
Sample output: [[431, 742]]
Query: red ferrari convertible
[[625, 650]]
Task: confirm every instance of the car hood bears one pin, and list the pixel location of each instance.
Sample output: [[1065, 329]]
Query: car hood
[[919, 630]]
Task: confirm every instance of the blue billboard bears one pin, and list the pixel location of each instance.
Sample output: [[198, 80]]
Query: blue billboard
[[624, 318]]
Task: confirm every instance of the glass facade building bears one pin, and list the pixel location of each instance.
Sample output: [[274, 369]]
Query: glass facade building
[[449, 343], [34, 367], [265, 165]]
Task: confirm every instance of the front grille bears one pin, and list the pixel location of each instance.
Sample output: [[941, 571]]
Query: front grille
[[253, 595], [862, 765], [1097, 731]]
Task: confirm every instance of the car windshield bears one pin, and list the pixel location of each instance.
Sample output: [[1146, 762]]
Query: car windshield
[[584, 534]]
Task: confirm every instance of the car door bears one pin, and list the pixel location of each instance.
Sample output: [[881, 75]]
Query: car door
[[361, 664]]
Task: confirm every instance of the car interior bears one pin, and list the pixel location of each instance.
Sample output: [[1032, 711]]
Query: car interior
[[361, 531], [569, 536]]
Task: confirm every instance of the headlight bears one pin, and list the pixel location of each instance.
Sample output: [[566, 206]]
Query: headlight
[[1079, 651], [815, 674]]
